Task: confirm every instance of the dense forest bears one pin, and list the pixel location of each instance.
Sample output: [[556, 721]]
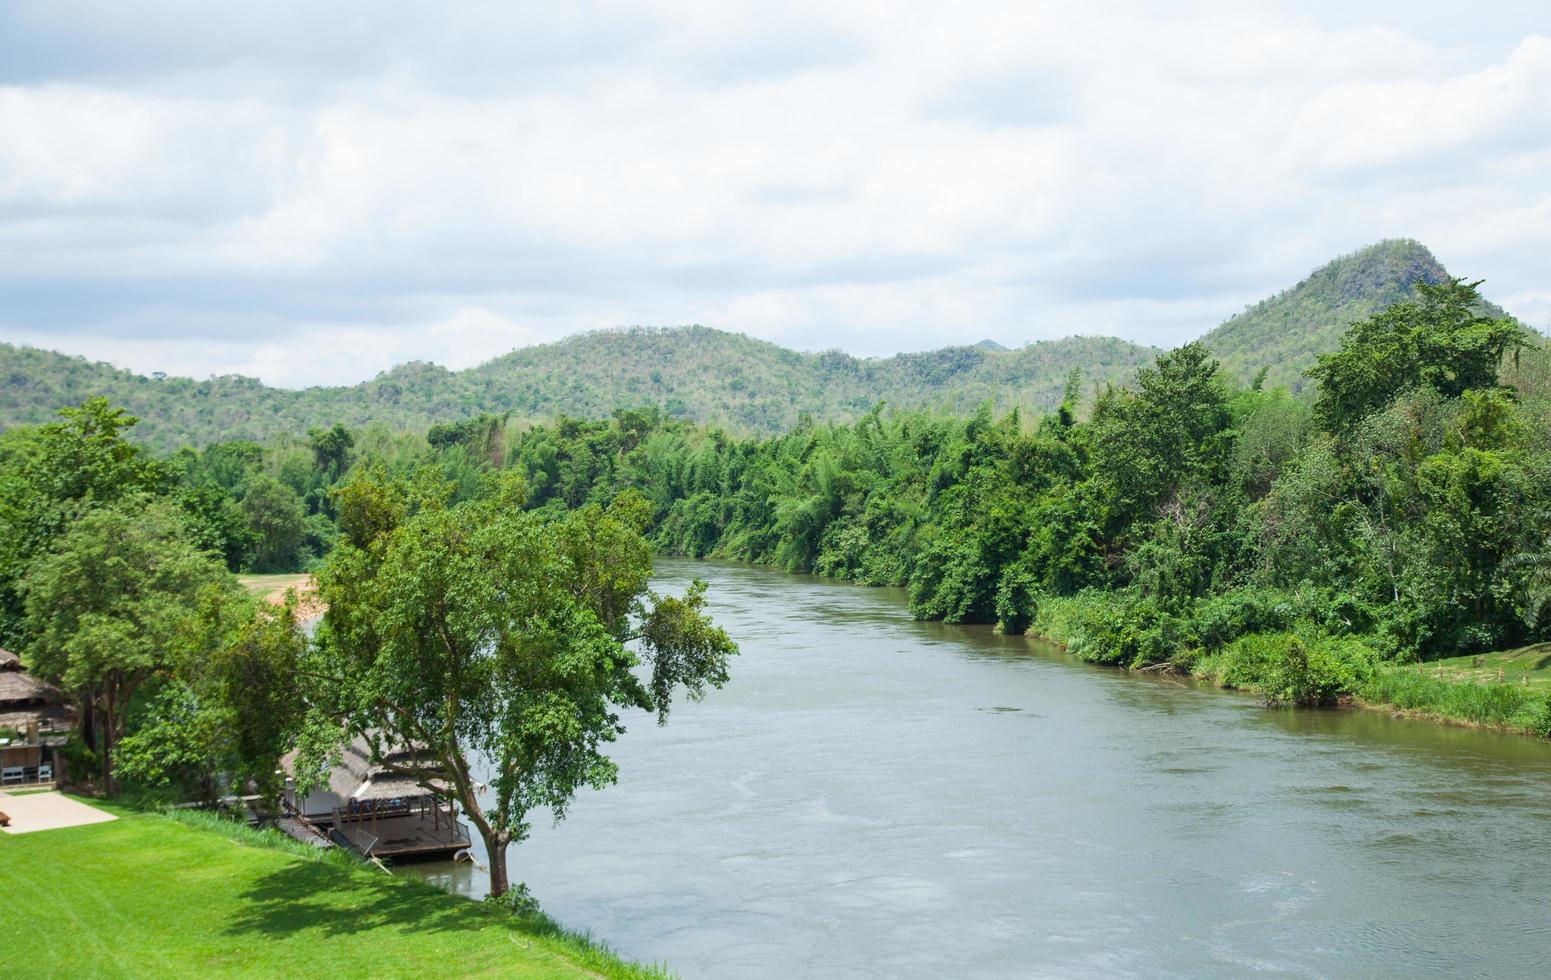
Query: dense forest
[[746, 386], [1403, 515]]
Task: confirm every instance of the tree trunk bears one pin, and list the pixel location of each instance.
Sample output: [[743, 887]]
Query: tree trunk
[[88, 722], [107, 753], [495, 847]]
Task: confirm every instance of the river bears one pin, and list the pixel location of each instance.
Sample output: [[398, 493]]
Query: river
[[871, 796]]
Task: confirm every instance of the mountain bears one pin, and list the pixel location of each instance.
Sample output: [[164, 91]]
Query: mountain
[[711, 375], [1286, 332], [693, 372]]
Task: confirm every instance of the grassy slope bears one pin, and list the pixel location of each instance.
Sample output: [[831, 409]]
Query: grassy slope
[[1525, 667], [1504, 690], [154, 895]]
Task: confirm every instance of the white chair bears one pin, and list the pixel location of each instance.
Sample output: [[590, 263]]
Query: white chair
[[46, 773], [12, 774]]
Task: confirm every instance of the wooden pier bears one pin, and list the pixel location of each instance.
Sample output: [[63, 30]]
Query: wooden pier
[[417, 828]]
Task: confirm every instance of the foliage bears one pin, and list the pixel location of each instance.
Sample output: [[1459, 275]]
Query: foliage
[[479, 629], [120, 603], [274, 513], [1304, 668], [1439, 341], [50, 476]]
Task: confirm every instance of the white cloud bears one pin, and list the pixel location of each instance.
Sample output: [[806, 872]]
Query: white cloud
[[312, 195]]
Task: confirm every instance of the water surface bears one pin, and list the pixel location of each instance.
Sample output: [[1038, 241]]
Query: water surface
[[872, 796]]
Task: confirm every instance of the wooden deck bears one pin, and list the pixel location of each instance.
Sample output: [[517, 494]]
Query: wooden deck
[[413, 835]]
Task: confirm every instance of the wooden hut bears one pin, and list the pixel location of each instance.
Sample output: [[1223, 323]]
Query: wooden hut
[[368, 808]]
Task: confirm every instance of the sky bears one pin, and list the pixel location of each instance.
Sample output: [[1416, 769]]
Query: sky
[[311, 196]]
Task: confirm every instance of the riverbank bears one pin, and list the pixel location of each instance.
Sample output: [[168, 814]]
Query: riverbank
[[192, 895], [1508, 691], [273, 589]]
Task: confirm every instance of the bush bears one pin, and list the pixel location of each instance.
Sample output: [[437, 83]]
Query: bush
[[1221, 619], [519, 900], [1121, 628], [1306, 667]]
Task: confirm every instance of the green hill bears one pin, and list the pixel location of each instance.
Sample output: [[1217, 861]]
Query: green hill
[[694, 372], [1284, 333], [712, 375]]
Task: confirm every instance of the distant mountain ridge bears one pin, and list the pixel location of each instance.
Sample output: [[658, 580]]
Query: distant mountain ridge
[[713, 375]]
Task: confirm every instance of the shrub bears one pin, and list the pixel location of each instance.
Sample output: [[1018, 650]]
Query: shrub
[[1221, 619], [1121, 628], [1305, 667], [519, 900]]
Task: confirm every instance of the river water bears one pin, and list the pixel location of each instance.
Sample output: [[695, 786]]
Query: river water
[[872, 796]]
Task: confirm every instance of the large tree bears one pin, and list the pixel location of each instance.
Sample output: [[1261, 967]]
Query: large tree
[[1439, 341], [121, 600], [277, 522], [226, 714], [50, 476], [499, 645]]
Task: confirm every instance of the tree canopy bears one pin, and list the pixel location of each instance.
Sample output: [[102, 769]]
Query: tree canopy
[[499, 646]]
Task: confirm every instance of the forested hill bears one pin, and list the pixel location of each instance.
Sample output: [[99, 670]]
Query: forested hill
[[710, 375], [1284, 333], [750, 386]]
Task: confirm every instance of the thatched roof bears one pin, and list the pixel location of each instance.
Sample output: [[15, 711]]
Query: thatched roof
[[345, 778], [355, 778], [391, 786], [19, 687], [9, 661]]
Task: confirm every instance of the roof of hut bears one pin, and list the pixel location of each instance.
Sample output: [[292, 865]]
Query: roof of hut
[[9, 661], [20, 687], [357, 778]]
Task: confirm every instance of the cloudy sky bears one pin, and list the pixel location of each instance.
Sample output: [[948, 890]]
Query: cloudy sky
[[311, 198]]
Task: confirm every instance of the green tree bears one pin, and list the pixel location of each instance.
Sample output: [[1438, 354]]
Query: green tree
[[1146, 445], [331, 450], [117, 604], [493, 641], [278, 522], [229, 710], [49, 477], [1439, 341]]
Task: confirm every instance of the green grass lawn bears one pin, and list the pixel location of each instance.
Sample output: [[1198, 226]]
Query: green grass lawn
[[1527, 667], [154, 895], [1507, 689]]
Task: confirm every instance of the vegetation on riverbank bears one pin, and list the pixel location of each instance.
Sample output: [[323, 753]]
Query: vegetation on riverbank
[[1303, 549], [1298, 547], [194, 895], [1507, 691]]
